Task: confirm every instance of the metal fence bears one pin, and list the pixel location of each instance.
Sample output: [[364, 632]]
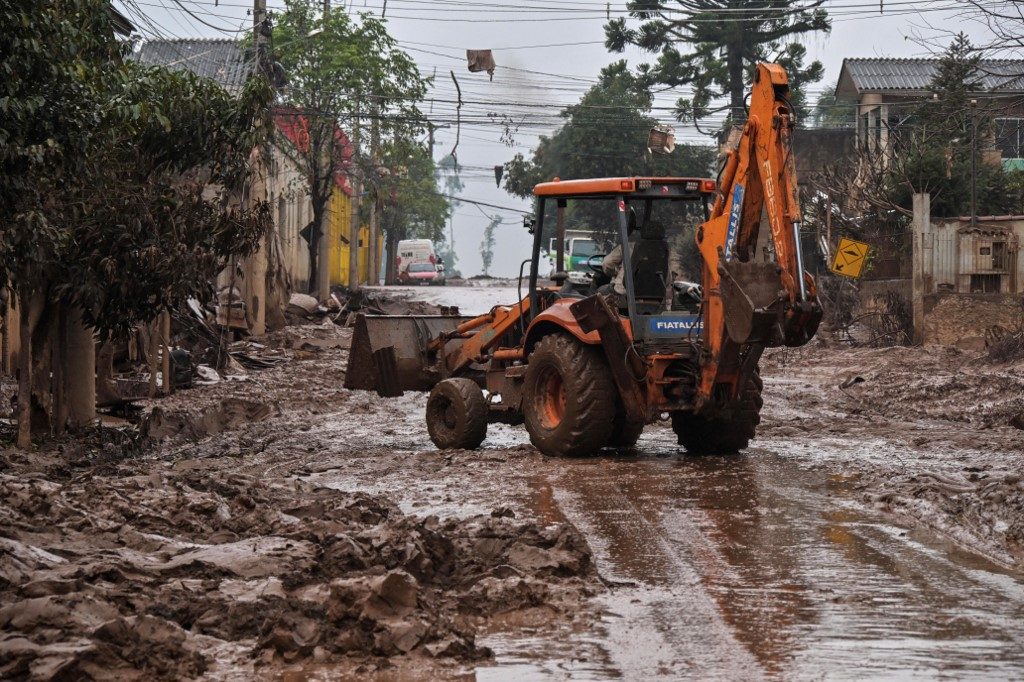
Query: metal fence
[[891, 255], [969, 263]]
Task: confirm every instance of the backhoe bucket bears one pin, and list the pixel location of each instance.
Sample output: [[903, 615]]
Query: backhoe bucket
[[751, 297], [390, 353]]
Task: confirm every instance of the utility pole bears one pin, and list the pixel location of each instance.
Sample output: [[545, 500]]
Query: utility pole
[[372, 259], [259, 15], [974, 163], [357, 188], [254, 266]]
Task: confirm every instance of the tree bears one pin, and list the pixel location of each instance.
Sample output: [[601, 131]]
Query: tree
[[50, 96], [930, 152], [712, 45], [1004, 20], [487, 245], [831, 113], [945, 132], [604, 135], [453, 186], [106, 213], [413, 208], [345, 71]]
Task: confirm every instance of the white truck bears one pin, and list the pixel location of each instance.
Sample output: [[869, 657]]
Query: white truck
[[417, 262], [579, 247]]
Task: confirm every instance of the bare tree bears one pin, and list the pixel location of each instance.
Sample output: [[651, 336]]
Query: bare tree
[[1005, 20]]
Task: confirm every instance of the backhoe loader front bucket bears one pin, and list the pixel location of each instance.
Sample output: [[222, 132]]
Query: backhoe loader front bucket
[[752, 296], [391, 354]]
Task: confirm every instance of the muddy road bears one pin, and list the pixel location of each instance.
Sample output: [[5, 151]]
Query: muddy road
[[771, 564], [278, 526], [855, 538]]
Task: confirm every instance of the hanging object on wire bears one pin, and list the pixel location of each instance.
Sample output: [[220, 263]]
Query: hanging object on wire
[[661, 140], [481, 60]]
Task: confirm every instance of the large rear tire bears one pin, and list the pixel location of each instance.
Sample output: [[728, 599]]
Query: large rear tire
[[457, 414], [568, 398], [729, 431]]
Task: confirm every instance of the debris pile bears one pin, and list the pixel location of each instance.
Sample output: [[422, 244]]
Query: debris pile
[[1003, 345], [981, 505], [165, 575], [907, 383]]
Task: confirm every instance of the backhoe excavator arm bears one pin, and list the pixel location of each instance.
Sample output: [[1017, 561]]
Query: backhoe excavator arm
[[752, 302]]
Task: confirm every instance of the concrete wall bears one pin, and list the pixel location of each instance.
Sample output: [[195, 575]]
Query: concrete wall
[[872, 290], [875, 301], [292, 211]]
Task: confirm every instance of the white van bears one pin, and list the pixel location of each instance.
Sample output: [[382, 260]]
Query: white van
[[414, 251]]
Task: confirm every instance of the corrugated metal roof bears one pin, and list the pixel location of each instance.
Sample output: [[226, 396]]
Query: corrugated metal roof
[[221, 60], [887, 74]]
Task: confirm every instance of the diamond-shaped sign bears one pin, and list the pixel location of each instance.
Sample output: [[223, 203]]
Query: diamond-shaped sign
[[850, 257]]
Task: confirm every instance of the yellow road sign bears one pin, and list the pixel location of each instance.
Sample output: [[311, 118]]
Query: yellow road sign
[[850, 257]]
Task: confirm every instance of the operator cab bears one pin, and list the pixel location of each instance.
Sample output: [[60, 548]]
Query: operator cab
[[654, 280]]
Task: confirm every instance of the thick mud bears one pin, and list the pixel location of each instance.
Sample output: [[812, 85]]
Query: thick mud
[[215, 554], [276, 525], [933, 434]]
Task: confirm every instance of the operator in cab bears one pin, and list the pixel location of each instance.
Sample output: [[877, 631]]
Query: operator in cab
[[658, 268]]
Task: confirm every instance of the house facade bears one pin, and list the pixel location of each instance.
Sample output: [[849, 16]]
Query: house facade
[[885, 92], [293, 210], [225, 62]]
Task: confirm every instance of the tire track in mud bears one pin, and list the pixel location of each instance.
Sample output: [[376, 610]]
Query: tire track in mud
[[667, 624], [762, 566]]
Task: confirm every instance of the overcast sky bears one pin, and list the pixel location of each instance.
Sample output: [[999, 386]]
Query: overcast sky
[[548, 53]]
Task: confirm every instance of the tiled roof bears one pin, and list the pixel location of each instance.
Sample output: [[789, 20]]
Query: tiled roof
[[122, 25], [219, 59], [887, 75]]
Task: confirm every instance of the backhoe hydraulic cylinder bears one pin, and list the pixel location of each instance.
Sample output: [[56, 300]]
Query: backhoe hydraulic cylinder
[[798, 250]]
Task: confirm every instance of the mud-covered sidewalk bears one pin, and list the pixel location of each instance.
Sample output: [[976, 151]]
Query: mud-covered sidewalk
[[277, 522]]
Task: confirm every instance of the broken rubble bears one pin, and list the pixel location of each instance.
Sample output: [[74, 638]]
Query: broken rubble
[[156, 571]]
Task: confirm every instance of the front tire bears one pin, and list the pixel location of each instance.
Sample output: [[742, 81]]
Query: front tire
[[728, 431], [457, 414], [568, 398]]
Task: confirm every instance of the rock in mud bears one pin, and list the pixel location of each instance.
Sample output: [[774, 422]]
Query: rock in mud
[[391, 595]]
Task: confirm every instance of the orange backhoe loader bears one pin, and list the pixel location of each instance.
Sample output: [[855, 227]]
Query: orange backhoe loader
[[587, 362]]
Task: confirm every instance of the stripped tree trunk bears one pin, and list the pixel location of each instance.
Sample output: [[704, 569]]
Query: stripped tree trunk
[[58, 358], [152, 338], [165, 339], [24, 375], [79, 355]]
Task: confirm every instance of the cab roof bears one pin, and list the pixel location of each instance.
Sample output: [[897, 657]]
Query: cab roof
[[642, 186]]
